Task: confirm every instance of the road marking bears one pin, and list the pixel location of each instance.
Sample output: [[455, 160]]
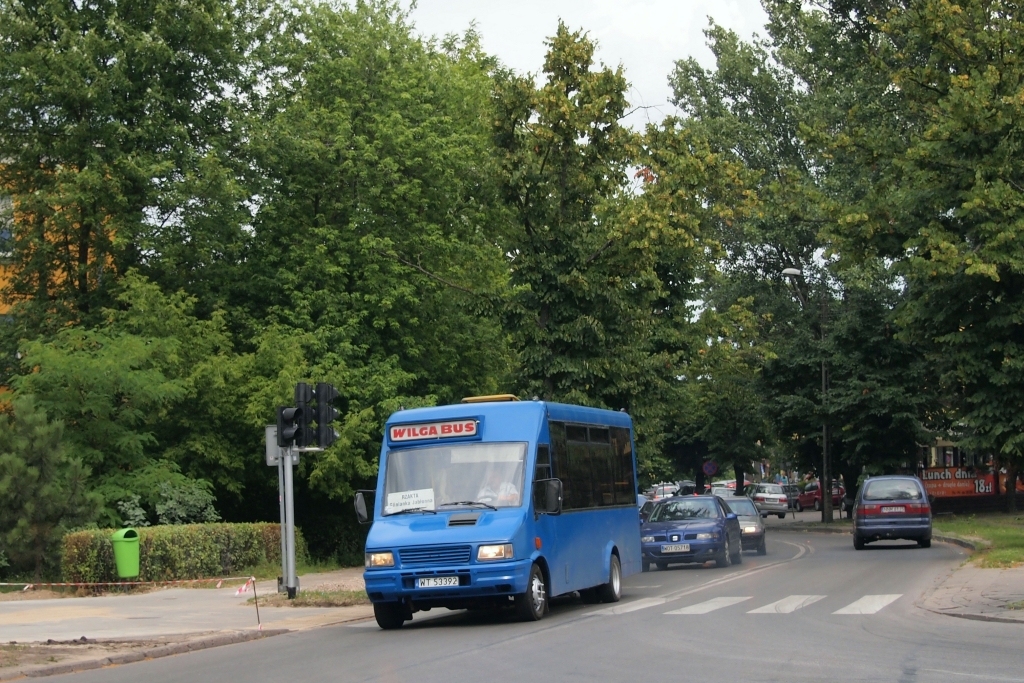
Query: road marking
[[987, 677], [675, 595], [627, 607], [708, 606], [787, 605], [869, 604]]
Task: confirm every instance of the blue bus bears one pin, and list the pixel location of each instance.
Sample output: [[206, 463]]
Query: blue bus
[[497, 502]]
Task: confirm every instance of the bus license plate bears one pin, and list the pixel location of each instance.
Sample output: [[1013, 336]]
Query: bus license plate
[[680, 548], [893, 508], [437, 582]]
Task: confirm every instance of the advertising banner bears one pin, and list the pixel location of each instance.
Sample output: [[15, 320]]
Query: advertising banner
[[949, 482]]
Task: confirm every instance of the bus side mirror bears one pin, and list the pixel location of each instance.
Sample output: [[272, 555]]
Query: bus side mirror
[[364, 512], [547, 496]]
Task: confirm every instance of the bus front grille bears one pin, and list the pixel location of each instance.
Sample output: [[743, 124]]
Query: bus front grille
[[437, 554]]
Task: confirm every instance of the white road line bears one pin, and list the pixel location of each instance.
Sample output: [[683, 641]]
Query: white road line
[[708, 606], [675, 595], [869, 604], [987, 677], [627, 607], [787, 605]]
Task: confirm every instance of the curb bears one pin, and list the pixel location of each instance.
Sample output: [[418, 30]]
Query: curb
[[955, 540], [976, 617], [152, 653]]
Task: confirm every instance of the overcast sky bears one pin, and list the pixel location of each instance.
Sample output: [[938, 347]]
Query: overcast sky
[[645, 36]]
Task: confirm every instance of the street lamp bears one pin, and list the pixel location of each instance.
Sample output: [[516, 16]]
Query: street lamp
[[825, 480]]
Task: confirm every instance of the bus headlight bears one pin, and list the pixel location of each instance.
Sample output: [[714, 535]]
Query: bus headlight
[[494, 552], [385, 559]]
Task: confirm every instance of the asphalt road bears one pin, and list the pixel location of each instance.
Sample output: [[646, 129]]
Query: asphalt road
[[813, 609]]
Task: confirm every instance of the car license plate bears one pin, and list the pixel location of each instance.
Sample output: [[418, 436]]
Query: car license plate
[[437, 582], [893, 508], [679, 548]]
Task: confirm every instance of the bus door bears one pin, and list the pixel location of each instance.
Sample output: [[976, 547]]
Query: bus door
[[546, 526]]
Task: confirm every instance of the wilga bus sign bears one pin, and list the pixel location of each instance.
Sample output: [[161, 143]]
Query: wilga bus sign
[[432, 430]]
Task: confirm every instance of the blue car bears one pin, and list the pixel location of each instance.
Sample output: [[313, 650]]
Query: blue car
[[892, 507], [687, 529]]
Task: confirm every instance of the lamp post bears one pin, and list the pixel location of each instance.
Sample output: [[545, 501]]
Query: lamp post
[[825, 480]]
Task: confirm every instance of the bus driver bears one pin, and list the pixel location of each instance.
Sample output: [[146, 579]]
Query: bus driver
[[498, 491]]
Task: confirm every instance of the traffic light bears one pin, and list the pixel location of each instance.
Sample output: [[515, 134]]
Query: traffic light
[[304, 435], [287, 426], [326, 413]]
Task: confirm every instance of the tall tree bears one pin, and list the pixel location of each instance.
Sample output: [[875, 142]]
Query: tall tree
[[930, 138], [42, 489], [375, 242], [115, 122]]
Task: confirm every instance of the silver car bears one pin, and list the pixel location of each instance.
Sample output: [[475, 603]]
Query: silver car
[[770, 499], [751, 526]]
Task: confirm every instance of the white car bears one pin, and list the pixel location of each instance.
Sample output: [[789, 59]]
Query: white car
[[769, 499]]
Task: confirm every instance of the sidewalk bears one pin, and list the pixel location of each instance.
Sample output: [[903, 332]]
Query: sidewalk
[[96, 631], [970, 592]]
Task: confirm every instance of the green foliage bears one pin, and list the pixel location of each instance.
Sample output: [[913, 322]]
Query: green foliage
[[189, 504], [177, 552], [132, 513], [375, 239], [916, 127], [42, 489], [114, 132]]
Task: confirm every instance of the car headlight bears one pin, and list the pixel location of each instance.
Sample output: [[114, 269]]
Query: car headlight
[[707, 535], [750, 529], [647, 539], [386, 559], [494, 552]]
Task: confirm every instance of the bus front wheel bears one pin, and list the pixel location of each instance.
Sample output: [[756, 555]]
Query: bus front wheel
[[530, 605], [389, 615], [612, 591]]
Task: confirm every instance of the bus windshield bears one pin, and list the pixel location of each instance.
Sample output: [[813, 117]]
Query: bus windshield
[[462, 474]]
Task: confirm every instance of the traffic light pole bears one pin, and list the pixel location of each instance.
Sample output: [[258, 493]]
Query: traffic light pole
[[292, 435], [284, 532], [291, 580]]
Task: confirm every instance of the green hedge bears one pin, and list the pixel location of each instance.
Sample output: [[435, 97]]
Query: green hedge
[[186, 551]]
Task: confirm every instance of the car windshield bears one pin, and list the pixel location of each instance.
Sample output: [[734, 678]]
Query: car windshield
[[742, 507], [691, 508], [892, 489], [771, 488], [429, 478]]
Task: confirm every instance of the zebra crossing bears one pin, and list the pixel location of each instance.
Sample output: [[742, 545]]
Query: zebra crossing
[[867, 604]]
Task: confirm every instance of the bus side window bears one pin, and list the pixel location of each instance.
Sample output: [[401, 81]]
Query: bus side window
[[543, 469]]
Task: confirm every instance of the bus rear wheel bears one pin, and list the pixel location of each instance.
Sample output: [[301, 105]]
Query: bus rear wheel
[[612, 591], [389, 615], [530, 606]]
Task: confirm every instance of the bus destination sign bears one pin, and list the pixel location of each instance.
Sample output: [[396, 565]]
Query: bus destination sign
[[432, 430]]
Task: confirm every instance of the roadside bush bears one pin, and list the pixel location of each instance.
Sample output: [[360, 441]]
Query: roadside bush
[[189, 551]]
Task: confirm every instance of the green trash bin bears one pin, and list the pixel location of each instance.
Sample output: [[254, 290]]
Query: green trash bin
[[126, 552]]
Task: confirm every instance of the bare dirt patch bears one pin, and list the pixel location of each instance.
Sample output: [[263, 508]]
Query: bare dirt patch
[[26, 656]]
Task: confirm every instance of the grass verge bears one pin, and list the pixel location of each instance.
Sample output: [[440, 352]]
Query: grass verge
[[316, 598], [1002, 532]]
